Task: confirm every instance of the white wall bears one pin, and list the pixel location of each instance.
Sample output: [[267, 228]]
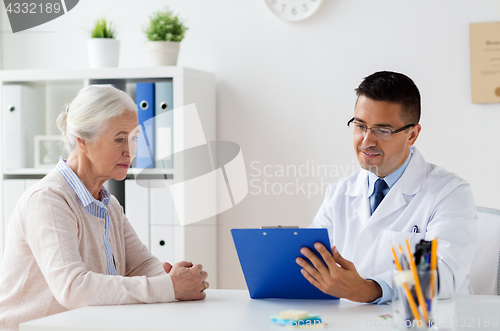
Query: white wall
[[285, 90]]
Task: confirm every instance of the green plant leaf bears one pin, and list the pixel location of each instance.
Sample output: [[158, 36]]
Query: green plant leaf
[[165, 26], [103, 29]]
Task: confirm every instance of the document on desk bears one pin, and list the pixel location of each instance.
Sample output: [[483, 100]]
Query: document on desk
[[267, 258]]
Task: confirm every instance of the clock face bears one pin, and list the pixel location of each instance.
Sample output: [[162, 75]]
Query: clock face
[[293, 10]]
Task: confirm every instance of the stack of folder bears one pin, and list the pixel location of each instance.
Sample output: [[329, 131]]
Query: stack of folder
[[155, 143]]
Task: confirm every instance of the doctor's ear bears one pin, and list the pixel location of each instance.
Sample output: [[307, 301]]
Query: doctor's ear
[[415, 131]]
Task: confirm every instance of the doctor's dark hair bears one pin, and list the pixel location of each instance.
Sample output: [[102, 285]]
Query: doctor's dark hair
[[92, 109], [395, 88]]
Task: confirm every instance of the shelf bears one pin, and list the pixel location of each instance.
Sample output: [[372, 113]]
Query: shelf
[[128, 74], [132, 173], [154, 173]]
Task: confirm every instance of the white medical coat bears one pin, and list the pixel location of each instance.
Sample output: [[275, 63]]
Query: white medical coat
[[438, 202]]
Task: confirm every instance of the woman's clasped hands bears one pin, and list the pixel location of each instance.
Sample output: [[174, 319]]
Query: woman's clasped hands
[[188, 279]]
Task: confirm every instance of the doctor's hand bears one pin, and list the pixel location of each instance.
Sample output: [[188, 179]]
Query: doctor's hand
[[338, 277], [189, 280]]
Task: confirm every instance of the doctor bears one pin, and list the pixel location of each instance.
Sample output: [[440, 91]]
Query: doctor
[[396, 195]]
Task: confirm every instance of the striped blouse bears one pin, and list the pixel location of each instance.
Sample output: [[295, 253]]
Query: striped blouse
[[94, 207]]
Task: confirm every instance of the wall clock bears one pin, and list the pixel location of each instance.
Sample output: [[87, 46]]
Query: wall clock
[[293, 10]]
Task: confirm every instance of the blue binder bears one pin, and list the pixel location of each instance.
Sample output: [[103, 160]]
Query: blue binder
[[145, 100], [164, 124], [267, 257]]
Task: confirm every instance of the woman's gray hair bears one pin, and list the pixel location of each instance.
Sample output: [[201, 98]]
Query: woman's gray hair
[[90, 111]]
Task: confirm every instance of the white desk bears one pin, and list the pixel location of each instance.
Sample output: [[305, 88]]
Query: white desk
[[222, 310]]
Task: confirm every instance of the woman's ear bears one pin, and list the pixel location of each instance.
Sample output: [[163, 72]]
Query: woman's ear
[[82, 144]]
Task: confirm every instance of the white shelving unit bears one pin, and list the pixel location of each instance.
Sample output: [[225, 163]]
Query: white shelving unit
[[158, 227]]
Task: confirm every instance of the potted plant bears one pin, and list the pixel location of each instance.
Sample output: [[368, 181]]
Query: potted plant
[[103, 48], [165, 32]]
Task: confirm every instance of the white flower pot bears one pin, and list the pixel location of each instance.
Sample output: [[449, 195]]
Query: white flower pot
[[163, 53], [103, 52]]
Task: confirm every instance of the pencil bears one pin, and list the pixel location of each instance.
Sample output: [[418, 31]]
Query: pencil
[[413, 306], [418, 288], [401, 252], [433, 265]]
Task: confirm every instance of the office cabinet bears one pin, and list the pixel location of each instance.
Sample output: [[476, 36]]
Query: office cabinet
[[162, 242], [149, 206], [137, 204]]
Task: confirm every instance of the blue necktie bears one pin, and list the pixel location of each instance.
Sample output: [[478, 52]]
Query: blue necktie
[[378, 192]]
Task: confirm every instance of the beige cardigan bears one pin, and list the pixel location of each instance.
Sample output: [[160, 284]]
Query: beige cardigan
[[54, 258]]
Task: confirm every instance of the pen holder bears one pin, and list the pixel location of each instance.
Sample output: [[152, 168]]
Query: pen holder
[[414, 303]]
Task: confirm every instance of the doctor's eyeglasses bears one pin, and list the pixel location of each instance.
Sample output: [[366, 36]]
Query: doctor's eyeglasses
[[381, 133]]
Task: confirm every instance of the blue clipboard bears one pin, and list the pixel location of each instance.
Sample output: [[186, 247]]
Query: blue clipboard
[[267, 258]]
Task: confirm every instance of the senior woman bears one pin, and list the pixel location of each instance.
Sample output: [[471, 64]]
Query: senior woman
[[69, 243]]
